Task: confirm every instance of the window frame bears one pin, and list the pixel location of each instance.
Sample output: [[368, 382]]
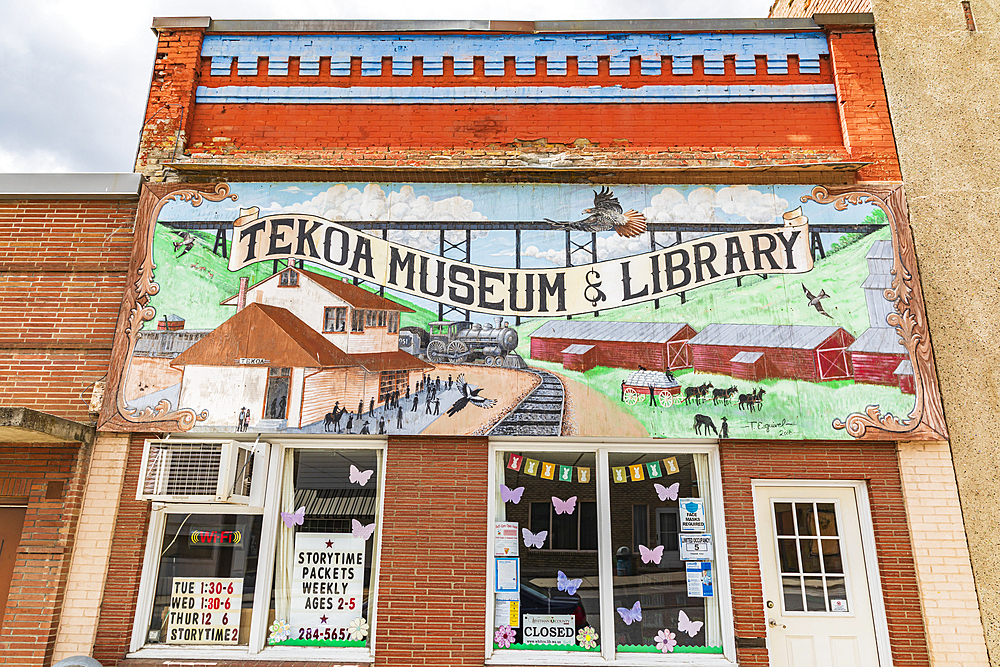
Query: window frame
[[607, 656], [257, 647], [336, 320]]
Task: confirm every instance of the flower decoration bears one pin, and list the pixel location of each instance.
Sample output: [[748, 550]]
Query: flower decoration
[[280, 631], [358, 628], [504, 636], [666, 641], [587, 637]]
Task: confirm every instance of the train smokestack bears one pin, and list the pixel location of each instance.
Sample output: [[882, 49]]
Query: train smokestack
[[497, 322]]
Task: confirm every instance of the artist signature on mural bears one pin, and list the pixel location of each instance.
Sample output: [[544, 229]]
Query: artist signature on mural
[[783, 427]]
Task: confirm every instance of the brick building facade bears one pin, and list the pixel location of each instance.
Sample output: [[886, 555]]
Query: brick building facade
[[264, 104]]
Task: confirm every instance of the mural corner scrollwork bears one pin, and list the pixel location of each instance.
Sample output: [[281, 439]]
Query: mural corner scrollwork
[[926, 420]]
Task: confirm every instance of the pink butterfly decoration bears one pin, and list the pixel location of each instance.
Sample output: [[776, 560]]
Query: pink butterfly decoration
[[685, 624], [651, 555], [564, 506], [295, 518], [510, 495], [358, 530], [534, 539], [665, 492], [629, 615], [360, 477]]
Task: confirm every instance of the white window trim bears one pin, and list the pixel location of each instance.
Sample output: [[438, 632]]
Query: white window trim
[[867, 544], [607, 656], [256, 646]]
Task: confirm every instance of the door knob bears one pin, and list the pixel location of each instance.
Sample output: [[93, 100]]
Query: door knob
[[773, 623]]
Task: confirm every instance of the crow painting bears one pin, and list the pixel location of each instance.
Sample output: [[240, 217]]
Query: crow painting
[[469, 395], [606, 215]]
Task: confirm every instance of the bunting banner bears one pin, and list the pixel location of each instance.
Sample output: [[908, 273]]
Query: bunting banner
[[636, 472], [571, 290]]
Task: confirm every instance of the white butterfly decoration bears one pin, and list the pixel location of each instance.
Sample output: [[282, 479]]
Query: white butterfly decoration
[[534, 539], [510, 495], [651, 555], [668, 492], [296, 518], [629, 615], [359, 530], [566, 584], [360, 477], [685, 624], [564, 506]]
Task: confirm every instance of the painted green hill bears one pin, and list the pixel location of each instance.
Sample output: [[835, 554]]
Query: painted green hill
[[194, 284]]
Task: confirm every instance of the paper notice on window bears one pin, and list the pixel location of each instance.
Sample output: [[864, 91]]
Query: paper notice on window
[[328, 585], [508, 610], [549, 629], [204, 610], [692, 515], [508, 575], [699, 579], [696, 547], [505, 539]]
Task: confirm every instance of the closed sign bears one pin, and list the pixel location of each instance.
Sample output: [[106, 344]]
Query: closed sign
[[549, 629]]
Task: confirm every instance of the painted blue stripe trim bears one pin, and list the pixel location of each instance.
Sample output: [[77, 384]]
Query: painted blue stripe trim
[[808, 46], [514, 94]]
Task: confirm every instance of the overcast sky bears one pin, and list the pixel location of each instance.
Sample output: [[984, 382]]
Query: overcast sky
[[75, 73]]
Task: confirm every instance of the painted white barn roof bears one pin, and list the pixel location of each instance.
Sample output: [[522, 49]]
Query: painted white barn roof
[[618, 332], [800, 337]]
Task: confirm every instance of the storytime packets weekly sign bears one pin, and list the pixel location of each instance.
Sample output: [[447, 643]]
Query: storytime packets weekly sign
[[531, 293], [328, 582]]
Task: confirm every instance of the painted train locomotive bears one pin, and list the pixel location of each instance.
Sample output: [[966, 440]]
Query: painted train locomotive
[[463, 343]]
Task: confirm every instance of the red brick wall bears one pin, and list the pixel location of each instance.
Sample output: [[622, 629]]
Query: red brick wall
[[63, 266], [876, 463], [31, 618], [864, 111], [114, 629]]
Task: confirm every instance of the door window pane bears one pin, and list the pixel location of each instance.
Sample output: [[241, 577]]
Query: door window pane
[[819, 557]]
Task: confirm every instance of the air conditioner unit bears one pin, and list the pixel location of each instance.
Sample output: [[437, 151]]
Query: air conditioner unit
[[204, 471]]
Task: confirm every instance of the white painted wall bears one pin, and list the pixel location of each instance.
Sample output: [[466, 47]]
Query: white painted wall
[[224, 390]]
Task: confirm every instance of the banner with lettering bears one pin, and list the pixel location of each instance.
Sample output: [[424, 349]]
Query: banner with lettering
[[526, 310]]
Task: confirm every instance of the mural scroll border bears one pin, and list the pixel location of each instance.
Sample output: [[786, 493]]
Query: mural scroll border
[[926, 420], [115, 414]]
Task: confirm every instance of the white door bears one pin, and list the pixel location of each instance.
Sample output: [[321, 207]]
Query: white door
[[816, 584]]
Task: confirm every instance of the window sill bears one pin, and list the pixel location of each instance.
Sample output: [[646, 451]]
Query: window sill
[[343, 656], [624, 660]]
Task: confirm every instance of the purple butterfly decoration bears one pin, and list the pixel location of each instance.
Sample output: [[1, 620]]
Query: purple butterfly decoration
[[564, 506], [295, 518], [359, 530], [564, 583], [510, 495], [665, 492], [629, 615], [534, 539], [360, 477], [651, 555]]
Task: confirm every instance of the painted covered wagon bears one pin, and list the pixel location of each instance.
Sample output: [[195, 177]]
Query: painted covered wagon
[[636, 387]]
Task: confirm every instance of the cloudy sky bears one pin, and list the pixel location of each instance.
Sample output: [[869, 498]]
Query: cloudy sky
[[75, 73]]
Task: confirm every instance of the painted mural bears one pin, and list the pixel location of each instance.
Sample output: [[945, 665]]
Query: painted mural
[[744, 312]]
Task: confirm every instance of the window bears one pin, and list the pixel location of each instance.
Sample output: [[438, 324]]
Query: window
[[391, 381], [288, 278], [381, 318], [370, 318], [393, 322], [296, 575], [632, 530], [276, 398], [809, 553], [334, 319], [357, 320]]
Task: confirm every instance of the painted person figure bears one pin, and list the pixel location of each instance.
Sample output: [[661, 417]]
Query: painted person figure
[[371, 406], [449, 380], [437, 406], [623, 391], [652, 397], [381, 425], [430, 404], [437, 384], [361, 408], [724, 429], [399, 418], [407, 391], [364, 428], [350, 422], [416, 399], [239, 422]]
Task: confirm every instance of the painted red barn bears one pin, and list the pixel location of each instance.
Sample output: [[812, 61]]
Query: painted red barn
[[656, 346], [876, 355], [775, 351]]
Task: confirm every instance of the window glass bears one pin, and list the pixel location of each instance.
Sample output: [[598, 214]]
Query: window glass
[[334, 319], [546, 582], [664, 584], [357, 320], [325, 549], [205, 581], [812, 566]]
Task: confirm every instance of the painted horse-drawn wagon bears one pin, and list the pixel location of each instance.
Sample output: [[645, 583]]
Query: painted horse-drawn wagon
[[639, 385]]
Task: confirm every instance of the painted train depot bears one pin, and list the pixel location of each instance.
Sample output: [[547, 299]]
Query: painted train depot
[[514, 343]]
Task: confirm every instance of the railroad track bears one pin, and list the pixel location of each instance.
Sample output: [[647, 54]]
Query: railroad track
[[541, 411]]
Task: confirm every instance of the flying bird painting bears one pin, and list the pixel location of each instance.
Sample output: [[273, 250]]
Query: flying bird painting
[[814, 300], [469, 395], [606, 215]]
